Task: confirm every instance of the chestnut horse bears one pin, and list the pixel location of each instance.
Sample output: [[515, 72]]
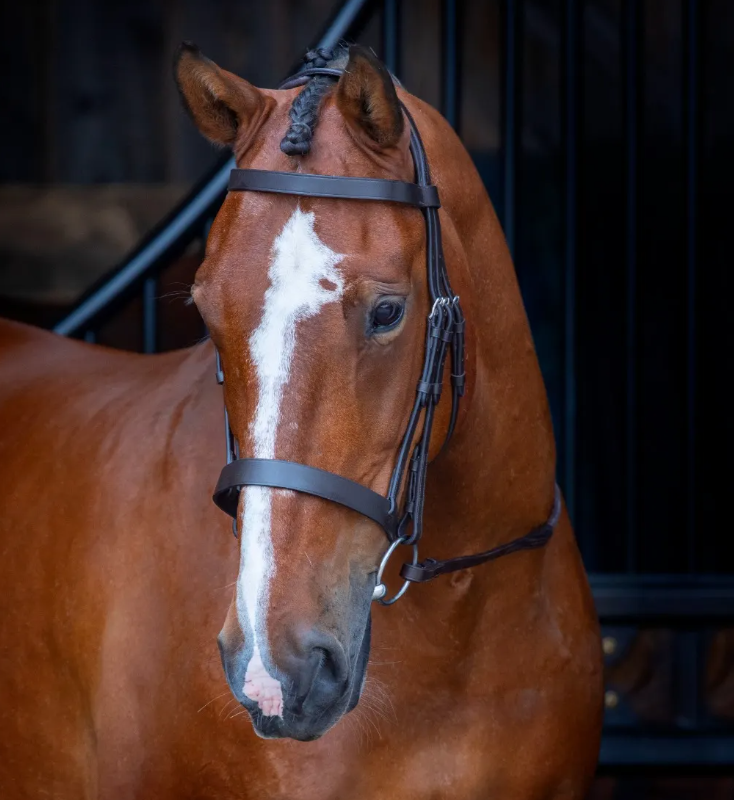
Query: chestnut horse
[[117, 570]]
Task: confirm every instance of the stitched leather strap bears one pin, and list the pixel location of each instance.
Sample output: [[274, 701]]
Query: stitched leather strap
[[300, 478], [538, 537], [308, 185]]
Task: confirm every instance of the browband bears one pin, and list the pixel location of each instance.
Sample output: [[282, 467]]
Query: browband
[[310, 185]]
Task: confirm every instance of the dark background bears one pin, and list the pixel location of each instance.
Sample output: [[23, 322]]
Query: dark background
[[604, 132]]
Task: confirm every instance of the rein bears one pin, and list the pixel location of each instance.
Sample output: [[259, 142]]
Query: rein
[[444, 333]]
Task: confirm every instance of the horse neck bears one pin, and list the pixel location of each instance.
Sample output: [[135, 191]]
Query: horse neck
[[496, 479]]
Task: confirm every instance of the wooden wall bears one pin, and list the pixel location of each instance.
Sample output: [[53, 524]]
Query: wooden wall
[[87, 91]]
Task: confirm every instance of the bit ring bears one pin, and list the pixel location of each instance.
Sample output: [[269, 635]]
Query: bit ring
[[380, 589]]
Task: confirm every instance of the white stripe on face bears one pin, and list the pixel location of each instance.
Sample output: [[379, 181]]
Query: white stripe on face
[[300, 262]]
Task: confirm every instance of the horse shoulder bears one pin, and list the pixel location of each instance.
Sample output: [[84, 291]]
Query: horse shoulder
[[94, 446]]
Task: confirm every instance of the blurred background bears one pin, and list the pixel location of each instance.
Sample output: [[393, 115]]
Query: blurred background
[[604, 131]]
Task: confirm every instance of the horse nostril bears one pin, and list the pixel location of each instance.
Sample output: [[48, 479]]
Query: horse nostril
[[306, 679], [323, 674], [327, 666], [316, 660]]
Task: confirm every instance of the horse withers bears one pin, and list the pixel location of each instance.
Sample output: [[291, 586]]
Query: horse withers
[[117, 569]]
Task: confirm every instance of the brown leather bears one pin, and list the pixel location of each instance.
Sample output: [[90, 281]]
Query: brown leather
[[306, 185], [538, 537], [301, 478]]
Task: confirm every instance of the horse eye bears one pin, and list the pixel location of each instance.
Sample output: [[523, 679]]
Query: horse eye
[[387, 314]]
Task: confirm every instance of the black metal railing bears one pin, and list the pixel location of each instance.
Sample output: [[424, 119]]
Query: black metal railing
[[630, 603], [186, 223]]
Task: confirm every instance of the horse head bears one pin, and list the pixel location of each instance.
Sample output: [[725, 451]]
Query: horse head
[[318, 308]]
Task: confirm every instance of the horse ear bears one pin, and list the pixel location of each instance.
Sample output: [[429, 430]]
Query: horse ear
[[367, 99], [219, 102]]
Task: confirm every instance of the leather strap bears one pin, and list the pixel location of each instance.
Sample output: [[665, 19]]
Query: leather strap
[[309, 185], [301, 478], [538, 537], [305, 75]]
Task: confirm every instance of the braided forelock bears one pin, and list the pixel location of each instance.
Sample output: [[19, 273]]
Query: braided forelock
[[304, 111]]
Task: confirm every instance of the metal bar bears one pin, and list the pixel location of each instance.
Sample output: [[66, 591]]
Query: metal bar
[[183, 225], [450, 62], [688, 678], [647, 750], [391, 18], [205, 235], [691, 26], [510, 121], [570, 133], [631, 104], [674, 599], [150, 316], [173, 235], [345, 23], [168, 239]]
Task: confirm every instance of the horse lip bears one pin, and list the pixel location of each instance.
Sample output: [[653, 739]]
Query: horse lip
[[277, 728]]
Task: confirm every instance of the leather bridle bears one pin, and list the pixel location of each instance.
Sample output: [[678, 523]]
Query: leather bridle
[[444, 333]]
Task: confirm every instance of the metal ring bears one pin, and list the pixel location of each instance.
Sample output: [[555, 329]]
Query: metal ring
[[380, 589]]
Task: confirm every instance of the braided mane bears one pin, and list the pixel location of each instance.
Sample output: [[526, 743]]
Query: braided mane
[[304, 111]]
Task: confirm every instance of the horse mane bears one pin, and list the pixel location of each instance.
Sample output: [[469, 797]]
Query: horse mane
[[304, 111]]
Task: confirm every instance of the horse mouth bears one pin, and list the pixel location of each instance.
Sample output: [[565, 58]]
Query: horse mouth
[[302, 729]]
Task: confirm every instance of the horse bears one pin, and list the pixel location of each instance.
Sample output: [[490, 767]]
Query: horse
[[121, 579]]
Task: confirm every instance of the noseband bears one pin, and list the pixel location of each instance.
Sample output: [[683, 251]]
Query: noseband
[[444, 332]]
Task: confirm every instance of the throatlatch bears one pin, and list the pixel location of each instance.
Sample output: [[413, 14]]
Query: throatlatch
[[444, 334]]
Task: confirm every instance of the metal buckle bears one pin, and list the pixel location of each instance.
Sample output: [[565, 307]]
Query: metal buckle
[[380, 589]]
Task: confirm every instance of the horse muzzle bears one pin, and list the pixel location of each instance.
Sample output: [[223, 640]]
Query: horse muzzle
[[310, 689]]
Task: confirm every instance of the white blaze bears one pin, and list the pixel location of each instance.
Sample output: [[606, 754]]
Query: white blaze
[[300, 261]]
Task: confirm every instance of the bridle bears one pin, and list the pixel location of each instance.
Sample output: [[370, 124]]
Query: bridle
[[444, 333]]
